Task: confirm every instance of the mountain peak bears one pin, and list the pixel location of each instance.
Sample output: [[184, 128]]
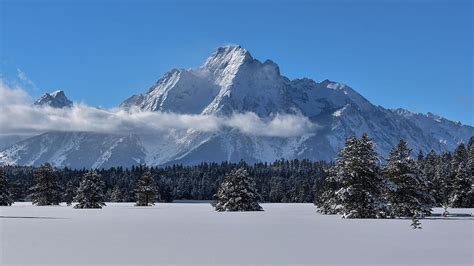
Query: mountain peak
[[56, 99], [227, 56]]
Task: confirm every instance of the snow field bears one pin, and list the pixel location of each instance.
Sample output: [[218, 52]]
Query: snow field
[[193, 233]]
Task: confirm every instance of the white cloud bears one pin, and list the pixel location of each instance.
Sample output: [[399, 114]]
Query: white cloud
[[24, 78], [18, 115]]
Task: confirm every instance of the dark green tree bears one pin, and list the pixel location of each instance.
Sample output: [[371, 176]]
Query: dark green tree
[[90, 194], [357, 173], [46, 191], [237, 193], [461, 188], [407, 191], [145, 190], [69, 193], [5, 195]]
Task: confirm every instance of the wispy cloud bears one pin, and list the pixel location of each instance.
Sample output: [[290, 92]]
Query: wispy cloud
[[21, 75], [18, 115]]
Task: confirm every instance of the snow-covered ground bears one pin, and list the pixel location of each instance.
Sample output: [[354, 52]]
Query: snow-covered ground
[[193, 233]]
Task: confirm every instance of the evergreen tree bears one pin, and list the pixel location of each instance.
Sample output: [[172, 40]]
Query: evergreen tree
[[460, 156], [407, 192], [69, 193], [443, 180], [145, 190], [357, 172], [470, 161], [5, 195], [429, 169], [116, 195], [90, 193], [237, 193], [46, 191], [415, 224], [326, 200], [461, 188]]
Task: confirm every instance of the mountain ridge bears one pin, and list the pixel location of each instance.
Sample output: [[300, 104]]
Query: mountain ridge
[[232, 81]]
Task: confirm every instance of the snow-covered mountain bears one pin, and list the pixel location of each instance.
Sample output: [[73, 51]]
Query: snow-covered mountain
[[56, 99], [232, 81]]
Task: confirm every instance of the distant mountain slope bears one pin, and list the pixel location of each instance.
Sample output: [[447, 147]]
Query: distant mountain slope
[[56, 99], [232, 81]]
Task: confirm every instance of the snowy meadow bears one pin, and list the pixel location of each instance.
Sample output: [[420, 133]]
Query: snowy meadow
[[194, 233]]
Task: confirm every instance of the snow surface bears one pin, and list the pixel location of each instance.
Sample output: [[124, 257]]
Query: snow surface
[[193, 233]]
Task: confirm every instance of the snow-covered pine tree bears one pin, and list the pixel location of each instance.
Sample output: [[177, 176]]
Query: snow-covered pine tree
[[90, 193], [460, 156], [5, 195], [429, 166], [69, 193], [470, 171], [46, 190], [326, 201], [361, 186], [444, 181], [407, 192], [461, 188], [117, 195], [470, 162], [237, 193], [415, 222], [145, 190]]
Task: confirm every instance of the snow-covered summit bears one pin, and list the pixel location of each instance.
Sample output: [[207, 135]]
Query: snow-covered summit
[[232, 81], [56, 99]]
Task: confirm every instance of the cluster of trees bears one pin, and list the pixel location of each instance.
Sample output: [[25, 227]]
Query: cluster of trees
[[89, 193], [359, 186], [280, 181]]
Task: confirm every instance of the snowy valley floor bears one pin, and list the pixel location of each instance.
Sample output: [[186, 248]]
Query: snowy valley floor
[[193, 233]]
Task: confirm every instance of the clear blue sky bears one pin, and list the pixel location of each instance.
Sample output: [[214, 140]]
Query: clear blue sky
[[412, 54]]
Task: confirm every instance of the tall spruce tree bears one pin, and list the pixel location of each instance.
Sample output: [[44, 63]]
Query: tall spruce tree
[[461, 188], [470, 161], [69, 193], [357, 172], [326, 200], [429, 170], [460, 156], [46, 191], [90, 194], [5, 195], [407, 191], [146, 190], [117, 195], [237, 193], [443, 181]]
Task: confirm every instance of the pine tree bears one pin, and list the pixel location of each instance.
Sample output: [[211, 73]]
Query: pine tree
[[237, 193], [145, 190], [46, 191], [415, 224], [90, 193], [443, 180], [357, 172], [5, 195], [117, 195], [326, 201], [69, 193], [407, 192], [429, 169], [461, 188], [460, 156], [470, 161]]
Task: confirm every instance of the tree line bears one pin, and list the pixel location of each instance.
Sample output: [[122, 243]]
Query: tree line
[[357, 185]]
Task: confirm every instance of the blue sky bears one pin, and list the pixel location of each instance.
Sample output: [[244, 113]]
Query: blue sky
[[412, 54]]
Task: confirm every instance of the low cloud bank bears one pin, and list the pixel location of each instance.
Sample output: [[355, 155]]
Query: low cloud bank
[[19, 116]]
